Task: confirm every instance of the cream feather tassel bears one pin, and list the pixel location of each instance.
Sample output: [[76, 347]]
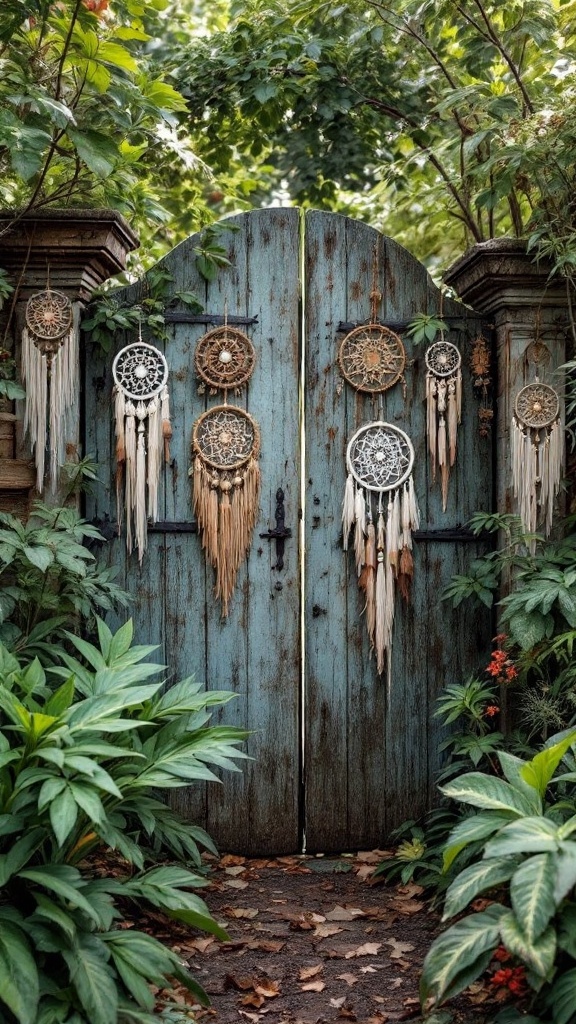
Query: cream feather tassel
[[360, 528], [348, 510]]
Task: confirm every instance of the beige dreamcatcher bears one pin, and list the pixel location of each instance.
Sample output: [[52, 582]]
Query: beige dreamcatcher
[[50, 373], [225, 449], [537, 441], [443, 407]]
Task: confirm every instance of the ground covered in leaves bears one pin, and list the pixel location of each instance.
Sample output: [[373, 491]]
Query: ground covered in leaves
[[314, 940]]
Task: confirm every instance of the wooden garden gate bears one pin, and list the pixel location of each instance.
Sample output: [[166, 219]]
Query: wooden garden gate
[[338, 760]]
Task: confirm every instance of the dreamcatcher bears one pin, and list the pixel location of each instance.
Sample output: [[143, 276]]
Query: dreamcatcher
[[225, 450], [444, 408], [50, 372], [537, 453], [372, 358], [379, 460], [143, 432]]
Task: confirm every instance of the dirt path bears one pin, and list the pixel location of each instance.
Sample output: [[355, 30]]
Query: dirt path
[[312, 941]]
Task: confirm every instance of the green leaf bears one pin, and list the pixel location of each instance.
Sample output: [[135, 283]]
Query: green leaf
[[97, 151], [541, 768], [476, 879], [530, 835], [538, 955], [489, 793], [63, 814], [565, 870], [532, 894], [460, 954], [41, 557], [20, 853], [65, 881], [92, 978], [528, 628], [562, 997], [19, 988]]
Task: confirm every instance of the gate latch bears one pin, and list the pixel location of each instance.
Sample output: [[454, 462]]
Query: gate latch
[[281, 532]]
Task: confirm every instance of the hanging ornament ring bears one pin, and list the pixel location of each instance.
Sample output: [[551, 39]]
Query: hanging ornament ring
[[372, 358], [443, 359], [225, 358], [140, 370], [380, 456], [537, 405], [225, 437], [48, 318]]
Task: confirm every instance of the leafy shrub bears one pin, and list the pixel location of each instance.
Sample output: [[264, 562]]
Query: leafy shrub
[[48, 577], [525, 823], [83, 765]]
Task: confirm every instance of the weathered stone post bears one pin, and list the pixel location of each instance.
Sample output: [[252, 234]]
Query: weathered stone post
[[530, 317], [76, 250]]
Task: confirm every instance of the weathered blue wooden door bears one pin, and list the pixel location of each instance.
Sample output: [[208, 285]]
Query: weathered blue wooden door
[[339, 760]]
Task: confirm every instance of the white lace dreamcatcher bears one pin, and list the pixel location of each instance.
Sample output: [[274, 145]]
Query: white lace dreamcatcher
[[143, 432], [379, 460], [537, 454], [50, 373], [225, 449], [444, 408]]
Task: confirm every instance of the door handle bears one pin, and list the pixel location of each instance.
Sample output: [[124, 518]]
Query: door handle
[[281, 532]]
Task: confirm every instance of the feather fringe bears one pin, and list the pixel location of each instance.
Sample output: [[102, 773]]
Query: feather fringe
[[359, 529], [347, 510]]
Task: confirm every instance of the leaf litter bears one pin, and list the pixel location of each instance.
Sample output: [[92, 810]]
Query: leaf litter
[[299, 942]]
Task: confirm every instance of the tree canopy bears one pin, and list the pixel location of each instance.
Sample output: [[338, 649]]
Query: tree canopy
[[443, 122]]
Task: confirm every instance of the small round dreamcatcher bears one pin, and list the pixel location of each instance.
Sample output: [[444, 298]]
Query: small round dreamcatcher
[[224, 359], [140, 370], [537, 454], [379, 459], [226, 477], [444, 408], [48, 318], [380, 456], [372, 358], [50, 371], [143, 429]]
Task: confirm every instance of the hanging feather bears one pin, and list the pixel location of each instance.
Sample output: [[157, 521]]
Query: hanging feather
[[348, 510], [51, 375], [537, 456], [444, 409], [359, 528], [226, 486], [141, 412]]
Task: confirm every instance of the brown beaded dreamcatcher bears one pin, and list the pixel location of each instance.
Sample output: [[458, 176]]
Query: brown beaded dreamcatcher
[[225, 450], [50, 372]]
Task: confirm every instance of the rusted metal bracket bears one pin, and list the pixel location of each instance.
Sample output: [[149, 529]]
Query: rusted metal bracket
[[182, 317], [281, 533], [451, 534]]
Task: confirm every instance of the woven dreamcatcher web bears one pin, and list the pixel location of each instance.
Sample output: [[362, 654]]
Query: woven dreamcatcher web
[[143, 431], [226, 481], [372, 358], [50, 372], [444, 408], [379, 460], [224, 359], [537, 454]]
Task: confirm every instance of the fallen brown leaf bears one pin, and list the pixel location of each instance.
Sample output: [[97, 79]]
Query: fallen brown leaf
[[374, 856], [348, 1013], [324, 931], [313, 986], [241, 912], [368, 969], [365, 871], [310, 972], [253, 1000], [229, 860], [266, 945], [235, 883], [350, 979], [406, 906], [239, 869], [267, 988], [398, 948], [344, 914], [368, 949], [337, 1003], [242, 983]]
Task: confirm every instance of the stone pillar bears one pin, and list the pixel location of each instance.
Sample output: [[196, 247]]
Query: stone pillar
[[530, 316], [76, 250]]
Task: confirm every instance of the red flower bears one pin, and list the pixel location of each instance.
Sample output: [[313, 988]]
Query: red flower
[[491, 710], [501, 954], [511, 673], [502, 977]]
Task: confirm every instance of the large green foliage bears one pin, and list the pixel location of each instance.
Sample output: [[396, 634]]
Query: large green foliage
[[526, 821], [457, 117], [84, 765]]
